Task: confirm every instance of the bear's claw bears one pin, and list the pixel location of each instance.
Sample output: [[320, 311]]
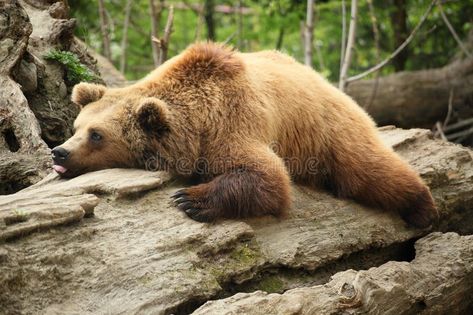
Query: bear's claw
[[179, 193], [183, 202], [185, 205]]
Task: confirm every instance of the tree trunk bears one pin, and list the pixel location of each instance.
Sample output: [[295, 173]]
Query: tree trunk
[[155, 15], [126, 23], [399, 25], [418, 98], [280, 38], [209, 19], [309, 33], [164, 41], [105, 31]]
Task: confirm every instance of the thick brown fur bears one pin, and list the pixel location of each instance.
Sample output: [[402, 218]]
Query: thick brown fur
[[246, 123]]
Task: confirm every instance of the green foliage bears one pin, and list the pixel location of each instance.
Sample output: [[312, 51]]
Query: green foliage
[[268, 19], [75, 71]]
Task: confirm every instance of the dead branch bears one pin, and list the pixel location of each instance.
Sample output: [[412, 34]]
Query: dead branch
[[219, 8], [439, 132], [126, 24], [439, 127], [350, 44], [461, 135], [163, 43], [229, 38], [398, 50], [450, 109], [452, 30], [309, 33], [458, 125]]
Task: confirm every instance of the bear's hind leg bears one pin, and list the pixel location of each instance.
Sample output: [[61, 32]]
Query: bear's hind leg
[[382, 179], [253, 186]]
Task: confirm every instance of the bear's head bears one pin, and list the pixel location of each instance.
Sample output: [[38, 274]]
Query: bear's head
[[113, 129]]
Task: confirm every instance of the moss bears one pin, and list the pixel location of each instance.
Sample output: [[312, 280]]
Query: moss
[[244, 254], [271, 284], [75, 71], [236, 265]]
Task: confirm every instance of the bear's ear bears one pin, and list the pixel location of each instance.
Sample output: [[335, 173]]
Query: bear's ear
[[86, 93], [153, 115]]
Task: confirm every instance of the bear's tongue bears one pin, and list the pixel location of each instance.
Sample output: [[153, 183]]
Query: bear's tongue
[[60, 169]]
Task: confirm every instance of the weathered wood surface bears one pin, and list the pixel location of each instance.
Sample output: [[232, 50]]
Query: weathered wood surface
[[138, 254], [438, 281], [55, 201]]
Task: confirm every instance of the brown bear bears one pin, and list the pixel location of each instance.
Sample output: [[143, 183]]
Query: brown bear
[[245, 124]]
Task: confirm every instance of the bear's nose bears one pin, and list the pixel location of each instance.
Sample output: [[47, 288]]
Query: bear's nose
[[59, 154]]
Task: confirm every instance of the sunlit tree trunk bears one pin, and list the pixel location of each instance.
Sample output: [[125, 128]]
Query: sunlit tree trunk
[[309, 33], [105, 31]]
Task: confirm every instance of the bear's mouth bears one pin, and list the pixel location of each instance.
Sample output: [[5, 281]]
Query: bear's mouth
[[59, 169], [65, 172]]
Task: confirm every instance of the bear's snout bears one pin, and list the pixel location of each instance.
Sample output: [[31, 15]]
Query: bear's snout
[[59, 155]]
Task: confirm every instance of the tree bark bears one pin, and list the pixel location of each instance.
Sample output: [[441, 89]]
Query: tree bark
[[126, 23], [105, 31], [427, 285], [209, 9], [155, 15], [164, 41], [399, 25], [24, 156], [309, 33], [418, 98]]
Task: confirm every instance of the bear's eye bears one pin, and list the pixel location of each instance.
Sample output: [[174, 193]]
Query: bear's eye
[[95, 136]]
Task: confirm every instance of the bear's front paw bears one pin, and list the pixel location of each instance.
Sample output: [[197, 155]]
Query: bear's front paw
[[192, 207]]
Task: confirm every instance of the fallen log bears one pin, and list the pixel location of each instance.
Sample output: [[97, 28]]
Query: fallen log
[[418, 98], [437, 281], [139, 254]]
